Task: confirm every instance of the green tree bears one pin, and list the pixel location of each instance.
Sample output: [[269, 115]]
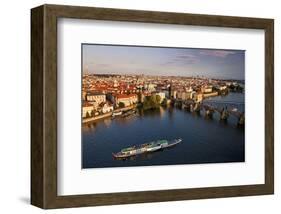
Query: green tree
[[150, 102], [164, 102], [158, 99], [121, 105]]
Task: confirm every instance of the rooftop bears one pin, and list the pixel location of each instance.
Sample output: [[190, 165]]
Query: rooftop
[[125, 95]]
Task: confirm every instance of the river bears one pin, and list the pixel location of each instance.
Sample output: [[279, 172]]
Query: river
[[204, 140]]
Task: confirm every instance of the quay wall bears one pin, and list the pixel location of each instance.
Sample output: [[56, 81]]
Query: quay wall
[[92, 119], [125, 108], [213, 94], [109, 114]]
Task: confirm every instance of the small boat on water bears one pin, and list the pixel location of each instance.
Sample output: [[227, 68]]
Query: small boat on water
[[145, 148], [116, 113], [130, 113]]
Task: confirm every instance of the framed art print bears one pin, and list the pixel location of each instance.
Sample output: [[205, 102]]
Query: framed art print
[[140, 106]]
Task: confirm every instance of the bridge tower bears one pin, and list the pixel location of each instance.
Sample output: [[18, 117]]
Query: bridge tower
[[224, 114]]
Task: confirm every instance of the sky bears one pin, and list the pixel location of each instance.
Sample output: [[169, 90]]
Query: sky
[[162, 61]]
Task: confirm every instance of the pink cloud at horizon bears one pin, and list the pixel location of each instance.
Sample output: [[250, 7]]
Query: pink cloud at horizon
[[217, 53]]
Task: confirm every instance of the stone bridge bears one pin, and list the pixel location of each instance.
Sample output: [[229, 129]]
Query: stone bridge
[[210, 107]]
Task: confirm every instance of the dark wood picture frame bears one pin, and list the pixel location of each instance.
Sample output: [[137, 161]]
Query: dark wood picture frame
[[44, 106]]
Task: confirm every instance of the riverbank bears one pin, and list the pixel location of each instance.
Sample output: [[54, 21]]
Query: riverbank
[[125, 108], [99, 117], [213, 94], [106, 115]]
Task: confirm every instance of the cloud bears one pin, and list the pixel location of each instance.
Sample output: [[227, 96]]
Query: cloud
[[216, 53], [183, 59]]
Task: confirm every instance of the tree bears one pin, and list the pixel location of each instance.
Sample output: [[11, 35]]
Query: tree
[[87, 115], [164, 102], [150, 102], [158, 99], [121, 105]]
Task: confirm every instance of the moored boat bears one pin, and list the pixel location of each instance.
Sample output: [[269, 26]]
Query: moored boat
[[146, 148], [116, 113]]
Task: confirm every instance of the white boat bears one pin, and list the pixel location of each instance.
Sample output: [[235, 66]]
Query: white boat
[[118, 113], [147, 147]]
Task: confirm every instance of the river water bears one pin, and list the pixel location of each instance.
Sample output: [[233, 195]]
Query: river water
[[204, 140]]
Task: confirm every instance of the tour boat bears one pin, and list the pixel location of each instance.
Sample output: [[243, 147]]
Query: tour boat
[[146, 148]]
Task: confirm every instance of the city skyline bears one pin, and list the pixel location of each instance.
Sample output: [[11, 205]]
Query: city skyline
[[163, 61]]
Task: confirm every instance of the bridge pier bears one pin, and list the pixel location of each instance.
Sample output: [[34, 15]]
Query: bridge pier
[[191, 108], [241, 120], [209, 113], [224, 114], [197, 107]]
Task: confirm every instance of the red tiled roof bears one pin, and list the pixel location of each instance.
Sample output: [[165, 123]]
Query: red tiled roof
[[86, 104], [125, 95]]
